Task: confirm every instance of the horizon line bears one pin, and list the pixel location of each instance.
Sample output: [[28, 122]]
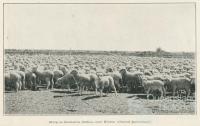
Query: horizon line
[[104, 50]]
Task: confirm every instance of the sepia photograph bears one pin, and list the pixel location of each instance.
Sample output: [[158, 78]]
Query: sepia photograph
[[99, 59]]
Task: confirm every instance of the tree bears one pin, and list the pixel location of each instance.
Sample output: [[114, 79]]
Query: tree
[[158, 50]]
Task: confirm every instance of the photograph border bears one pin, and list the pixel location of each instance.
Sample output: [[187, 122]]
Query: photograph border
[[195, 58]]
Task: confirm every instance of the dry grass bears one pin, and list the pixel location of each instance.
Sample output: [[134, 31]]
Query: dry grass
[[47, 102]]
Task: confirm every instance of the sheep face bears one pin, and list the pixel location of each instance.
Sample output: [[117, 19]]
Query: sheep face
[[74, 72], [58, 82], [122, 71]]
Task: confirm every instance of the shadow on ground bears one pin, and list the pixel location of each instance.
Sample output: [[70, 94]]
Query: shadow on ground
[[71, 110], [73, 95], [90, 97], [9, 91], [58, 96], [93, 97], [136, 96], [66, 92]]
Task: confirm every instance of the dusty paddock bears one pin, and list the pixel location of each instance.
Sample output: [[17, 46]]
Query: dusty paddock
[[62, 102]]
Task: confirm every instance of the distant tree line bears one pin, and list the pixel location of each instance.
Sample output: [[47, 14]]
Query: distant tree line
[[158, 53]]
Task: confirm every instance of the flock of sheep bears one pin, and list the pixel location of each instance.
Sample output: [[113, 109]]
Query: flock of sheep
[[100, 73]]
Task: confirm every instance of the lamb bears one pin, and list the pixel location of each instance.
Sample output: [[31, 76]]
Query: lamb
[[85, 81], [153, 85], [179, 83], [105, 82]]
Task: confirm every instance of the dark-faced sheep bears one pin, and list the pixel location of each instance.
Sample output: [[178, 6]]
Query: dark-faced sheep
[[63, 69], [132, 80], [30, 78], [12, 81], [66, 81], [57, 74], [44, 76], [30, 81]]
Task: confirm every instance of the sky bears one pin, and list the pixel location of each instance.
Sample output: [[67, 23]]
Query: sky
[[120, 27]]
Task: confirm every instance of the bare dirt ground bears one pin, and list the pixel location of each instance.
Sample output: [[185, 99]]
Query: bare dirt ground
[[61, 102]]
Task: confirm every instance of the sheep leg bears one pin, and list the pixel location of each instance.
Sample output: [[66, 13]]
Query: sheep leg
[[86, 88], [68, 88], [52, 83], [115, 90], [48, 84], [188, 92], [148, 93], [38, 80], [162, 93], [31, 85], [55, 80], [107, 92], [23, 85], [34, 84], [101, 92], [174, 91], [128, 88], [101, 89], [77, 86], [95, 86], [81, 89], [20, 85], [17, 85], [27, 83], [96, 91]]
